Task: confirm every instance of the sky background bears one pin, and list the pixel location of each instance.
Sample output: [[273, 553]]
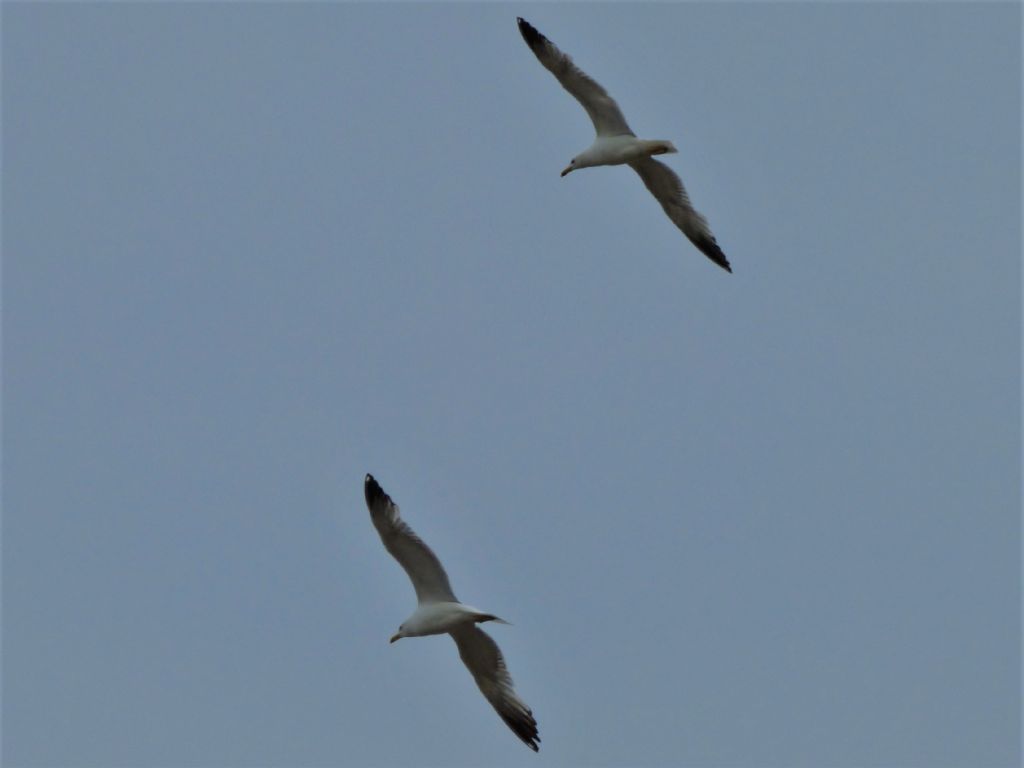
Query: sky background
[[252, 252]]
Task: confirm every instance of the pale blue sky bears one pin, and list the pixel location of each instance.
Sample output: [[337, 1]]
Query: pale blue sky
[[252, 252]]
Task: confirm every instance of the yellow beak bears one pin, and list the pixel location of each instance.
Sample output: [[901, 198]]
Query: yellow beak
[[394, 637], [567, 169]]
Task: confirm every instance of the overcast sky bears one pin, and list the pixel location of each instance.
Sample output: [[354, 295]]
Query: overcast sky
[[252, 252]]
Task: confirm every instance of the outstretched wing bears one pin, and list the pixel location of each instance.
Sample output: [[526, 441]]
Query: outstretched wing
[[666, 186], [603, 111], [419, 561], [483, 658]]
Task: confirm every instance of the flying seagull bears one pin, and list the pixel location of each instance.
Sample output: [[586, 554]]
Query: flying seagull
[[617, 144], [439, 611]]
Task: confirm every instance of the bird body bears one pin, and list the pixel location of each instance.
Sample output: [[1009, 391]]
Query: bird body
[[439, 612], [440, 619], [618, 150]]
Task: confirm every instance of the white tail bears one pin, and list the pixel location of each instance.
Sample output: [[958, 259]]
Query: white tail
[[491, 617], [660, 147]]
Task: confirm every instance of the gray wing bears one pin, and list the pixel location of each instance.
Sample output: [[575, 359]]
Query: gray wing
[[603, 111], [483, 658], [424, 569], [666, 186]]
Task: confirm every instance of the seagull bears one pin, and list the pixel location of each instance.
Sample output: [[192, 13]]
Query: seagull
[[616, 144], [440, 612]]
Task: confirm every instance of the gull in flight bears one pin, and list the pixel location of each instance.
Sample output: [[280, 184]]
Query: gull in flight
[[616, 144], [440, 612]]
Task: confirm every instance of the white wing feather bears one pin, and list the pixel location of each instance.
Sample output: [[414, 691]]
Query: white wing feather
[[604, 112], [425, 571], [483, 658], [668, 189]]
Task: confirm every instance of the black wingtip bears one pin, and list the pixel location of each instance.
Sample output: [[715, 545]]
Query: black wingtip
[[372, 489], [710, 248], [529, 32], [525, 727]]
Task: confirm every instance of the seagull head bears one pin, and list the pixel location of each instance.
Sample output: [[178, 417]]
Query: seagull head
[[570, 167], [398, 635]]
